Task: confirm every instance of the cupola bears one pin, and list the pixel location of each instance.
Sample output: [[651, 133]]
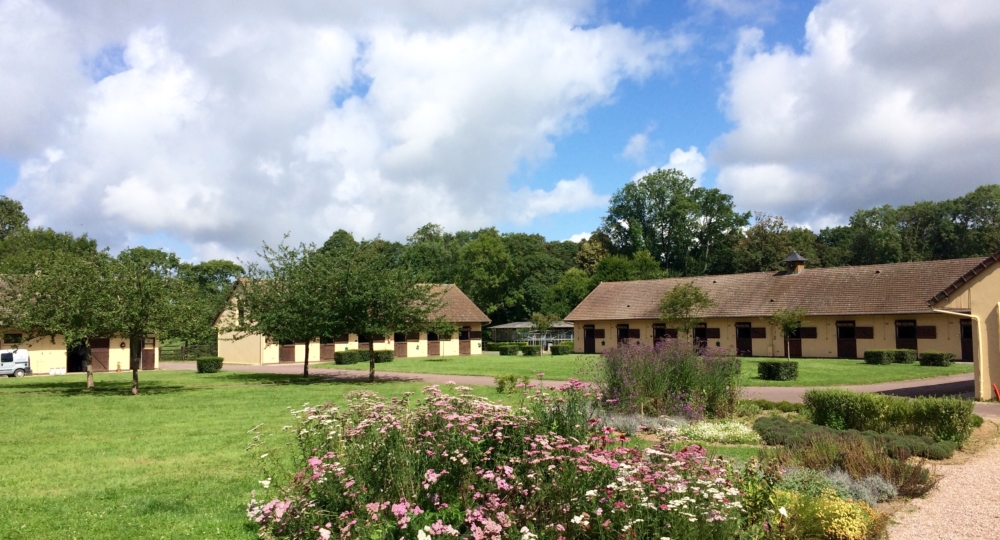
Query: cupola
[[795, 263]]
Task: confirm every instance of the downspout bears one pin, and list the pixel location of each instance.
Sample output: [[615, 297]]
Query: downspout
[[979, 345]]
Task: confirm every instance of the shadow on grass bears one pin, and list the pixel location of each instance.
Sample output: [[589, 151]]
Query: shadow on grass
[[934, 390]]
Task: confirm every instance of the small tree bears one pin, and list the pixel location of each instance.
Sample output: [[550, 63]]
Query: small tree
[[543, 323], [680, 307], [789, 320]]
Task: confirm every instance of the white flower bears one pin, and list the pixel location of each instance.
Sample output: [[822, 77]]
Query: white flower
[[526, 534], [262, 456], [265, 483], [591, 493], [421, 535], [783, 512]]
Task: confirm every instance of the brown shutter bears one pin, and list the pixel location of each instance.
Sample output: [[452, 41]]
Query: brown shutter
[[713, 333], [758, 333], [476, 334], [807, 332], [413, 336], [926, 332], [598, 333], [670, 333], [864, 332], [633, 333]]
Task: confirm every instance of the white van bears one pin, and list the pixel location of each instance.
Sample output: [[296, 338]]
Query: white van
[[14, 363]]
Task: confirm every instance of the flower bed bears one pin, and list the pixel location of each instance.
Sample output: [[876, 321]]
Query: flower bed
[[724, 432], [459, 466]]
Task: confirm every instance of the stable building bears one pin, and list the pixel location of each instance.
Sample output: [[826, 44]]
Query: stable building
[[50, 355], [456, 308], [947, 306]]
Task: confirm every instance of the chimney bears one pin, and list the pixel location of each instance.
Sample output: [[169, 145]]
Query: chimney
[[795, 263]]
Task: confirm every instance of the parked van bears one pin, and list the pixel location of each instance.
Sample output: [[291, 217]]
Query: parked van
[[14, 363]]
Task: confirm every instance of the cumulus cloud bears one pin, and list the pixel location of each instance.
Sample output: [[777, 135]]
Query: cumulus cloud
[[888, 103], [227, 123], [691, 162], [635, 148], [579, 237]]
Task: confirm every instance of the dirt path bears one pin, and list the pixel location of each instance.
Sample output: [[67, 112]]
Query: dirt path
[[965, 505]]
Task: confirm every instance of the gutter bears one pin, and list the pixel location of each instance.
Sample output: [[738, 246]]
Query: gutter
[[979, 345]]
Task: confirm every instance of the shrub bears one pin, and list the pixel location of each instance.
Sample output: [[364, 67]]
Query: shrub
[[776, 430], [933, 358], [531, 350], [209, 364], [783, 406], [376, 468], [810, 482], [672, 378], [344, 358], [944, 419], [559, 349], [871, 489], [361, 356], [507, 384], [976, 421], [509, 349], [778, 371], [826, 516], [890, 356]]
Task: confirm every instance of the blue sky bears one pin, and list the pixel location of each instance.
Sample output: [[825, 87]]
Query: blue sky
[[209, 128]]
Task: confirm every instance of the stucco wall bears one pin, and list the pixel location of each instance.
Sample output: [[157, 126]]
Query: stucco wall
[[50, 353], [981, 295], [246, 350]]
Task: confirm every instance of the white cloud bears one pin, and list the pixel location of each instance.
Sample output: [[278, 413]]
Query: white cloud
[[691, 162], [888, 103], [228, 123], [635, 148], [579, 237]]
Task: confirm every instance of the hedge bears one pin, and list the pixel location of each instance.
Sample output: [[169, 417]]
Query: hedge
[[359, 356], [560, 349], [777, 430], [509, 349], [209, 364], [778, 371], [765, 405], [531, 350], [890, 356], [496, 345], [943, 419], [934, 358]]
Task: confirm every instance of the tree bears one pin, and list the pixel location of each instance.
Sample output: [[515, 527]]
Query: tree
[[716, 229], [24, 250], [340, 241], [621, 268], [542, 322], [371, 295], [875, 236], [590, 254], [681, 306], [485, 270], [12, 217], [764, 245], [789, 320], [564, 295]]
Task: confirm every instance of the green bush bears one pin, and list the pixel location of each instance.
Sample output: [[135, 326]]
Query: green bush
[[943, 419], [934, 358], [531, 350], [890, 356], [778, 371], [560, 349], [777, 430], [344, 358], [509, 350], [209, 364], [360, 356], [976, 421], [507, 384]]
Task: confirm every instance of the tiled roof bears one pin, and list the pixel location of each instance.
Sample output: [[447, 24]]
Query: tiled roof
[[457, 307], [848, 290]]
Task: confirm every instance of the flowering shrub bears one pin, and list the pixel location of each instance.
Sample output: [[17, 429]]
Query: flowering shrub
[[725, 432], [672, 378], [459, 466], [827, 516]]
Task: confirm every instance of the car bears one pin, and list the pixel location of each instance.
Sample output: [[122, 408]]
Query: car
[[14, 362]]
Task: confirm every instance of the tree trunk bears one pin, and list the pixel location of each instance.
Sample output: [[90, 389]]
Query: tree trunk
[[371, 359], [135, 360], [788, 353], [305, 366], [90, 368]]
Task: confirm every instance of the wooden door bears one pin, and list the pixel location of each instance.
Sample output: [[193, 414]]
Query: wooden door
[[794, 348], [701, 336], [433, 348], [148, 359], [906, 335], [326, 352], [399, 345], [589, 341], [847, 343], [966, 327], [464, 347], [286, 353], [100, 354], [744, 339]]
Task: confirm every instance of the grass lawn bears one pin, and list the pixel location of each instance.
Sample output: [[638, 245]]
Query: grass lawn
[[812, 371], [170, 463]]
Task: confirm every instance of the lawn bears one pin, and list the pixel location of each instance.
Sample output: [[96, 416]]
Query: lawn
[[812, 371], [170, 463]]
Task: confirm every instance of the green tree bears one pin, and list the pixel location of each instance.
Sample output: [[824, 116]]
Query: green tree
[[682, 306], [789, 320], [589, 255], [484, 273], [764, 245], [834, 245], [875, 236], [204, 290], [717, 227], [24, 250], [339, 242], [12, 217], [564, 295]]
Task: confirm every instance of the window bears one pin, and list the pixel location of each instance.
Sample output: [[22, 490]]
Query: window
[[845, 330], [399, 337], [431, 336], [743, 331], [12, 338], [622, 333], [906, 329], [463, 334], [7, 357]]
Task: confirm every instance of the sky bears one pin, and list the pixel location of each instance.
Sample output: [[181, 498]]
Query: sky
[[207, 128]]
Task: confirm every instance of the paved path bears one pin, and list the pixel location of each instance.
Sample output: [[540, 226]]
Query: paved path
[[937, 386]]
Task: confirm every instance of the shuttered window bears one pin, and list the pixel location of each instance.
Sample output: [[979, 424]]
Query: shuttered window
[[758, 333], [926, 332], [864, 332], [476, 334], [599, 333]]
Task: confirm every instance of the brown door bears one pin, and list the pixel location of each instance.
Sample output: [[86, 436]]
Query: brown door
[[589, 345], [326, 352], [433, 348], [906, 335], [286, 353], [100, 354], [148, 359], [794, 348], [967, 340], [847, 343], [399, 347], [744, 339], [464, 347], [701, 336]]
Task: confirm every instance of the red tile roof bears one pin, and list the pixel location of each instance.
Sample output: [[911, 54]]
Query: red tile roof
[[849, 290]]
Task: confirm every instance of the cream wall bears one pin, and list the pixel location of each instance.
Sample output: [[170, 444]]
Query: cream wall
[[981, 295], [47, 353]]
